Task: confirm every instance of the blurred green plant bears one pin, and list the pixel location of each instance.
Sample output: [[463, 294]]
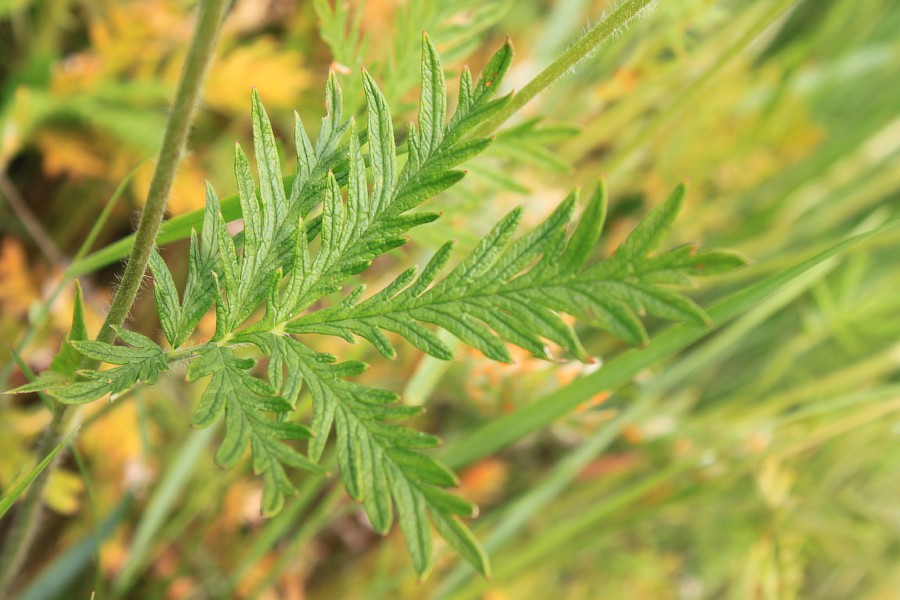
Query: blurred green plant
[[532, 281], [751, 459]]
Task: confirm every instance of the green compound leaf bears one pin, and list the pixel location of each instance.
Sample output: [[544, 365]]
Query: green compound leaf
[[380, 462], [67, 359], [300, 248], [270, 263], [141, 361], [433, 100], [247, 403], [517, 291], [179, 320]]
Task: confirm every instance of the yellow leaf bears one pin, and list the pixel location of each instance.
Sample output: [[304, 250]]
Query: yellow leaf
[[77, 73], [114, 439], [20, 427], [188, 190], [275, 71], [135, 37], [66, 153], [63, 491], [17, 288]]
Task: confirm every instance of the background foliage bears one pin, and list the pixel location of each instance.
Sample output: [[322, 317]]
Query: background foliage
[[759, 462]]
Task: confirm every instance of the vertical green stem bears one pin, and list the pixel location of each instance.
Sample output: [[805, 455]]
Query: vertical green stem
[[602, 32], [177, 128], [187, 97]]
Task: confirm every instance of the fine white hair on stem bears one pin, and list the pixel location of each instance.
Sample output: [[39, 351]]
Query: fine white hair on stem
[[614, 36]]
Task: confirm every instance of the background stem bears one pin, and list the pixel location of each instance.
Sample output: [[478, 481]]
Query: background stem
[[602, 32], [187, 97]]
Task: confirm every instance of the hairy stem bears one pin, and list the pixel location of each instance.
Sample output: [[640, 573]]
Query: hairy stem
[[187, 97], [602, 32], [177, 128]]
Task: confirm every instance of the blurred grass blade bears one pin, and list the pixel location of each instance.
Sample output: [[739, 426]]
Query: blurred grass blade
[[171, 230], [104, 215], [717, 351], [58, 577], [327, 511], [530, 505], [561, 540], [160, 505], [769, 16], [10, 497], [504, 431], [274, 531], [29, 374]]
